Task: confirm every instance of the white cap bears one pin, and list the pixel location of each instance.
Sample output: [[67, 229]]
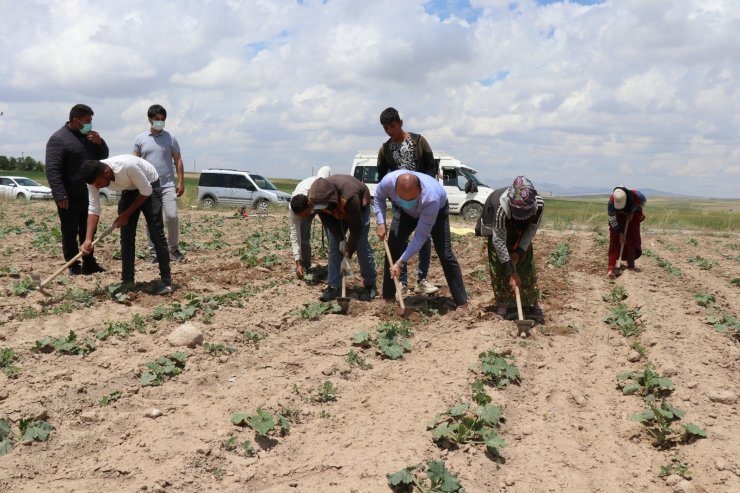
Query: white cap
[[620, 198], [324, 172]]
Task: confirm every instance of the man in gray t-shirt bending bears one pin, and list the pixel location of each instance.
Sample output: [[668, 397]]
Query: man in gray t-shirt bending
[[161, 149]]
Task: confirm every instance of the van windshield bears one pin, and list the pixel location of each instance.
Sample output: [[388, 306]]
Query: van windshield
[[262, 182], [471, 176]]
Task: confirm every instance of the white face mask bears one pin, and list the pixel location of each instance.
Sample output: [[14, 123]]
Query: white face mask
[[158, 125]]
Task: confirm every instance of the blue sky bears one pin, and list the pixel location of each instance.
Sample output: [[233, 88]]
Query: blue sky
[[589, 93]]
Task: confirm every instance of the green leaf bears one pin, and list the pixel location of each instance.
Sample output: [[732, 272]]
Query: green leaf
[[362, 339], [6, 446], [35, 430], [489, 414], [402, 477], [645, 416], [5, 430], [459, 409], [239, 419], [149, 379], [442, 479], [693, 430], [262, 422], [493, 441], [631, 388], [440, 432]]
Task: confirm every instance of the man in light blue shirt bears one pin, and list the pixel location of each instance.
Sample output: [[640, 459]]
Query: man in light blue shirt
[[161, 148], [423, 205]]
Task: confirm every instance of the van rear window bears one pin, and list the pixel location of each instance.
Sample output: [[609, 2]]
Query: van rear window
[[366, 174], [214, 180]]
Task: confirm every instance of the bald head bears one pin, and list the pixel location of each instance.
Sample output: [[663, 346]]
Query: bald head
[[408, 186]]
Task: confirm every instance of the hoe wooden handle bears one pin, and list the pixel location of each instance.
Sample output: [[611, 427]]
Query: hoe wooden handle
[[518, 303], [74, 259], [399, 296]]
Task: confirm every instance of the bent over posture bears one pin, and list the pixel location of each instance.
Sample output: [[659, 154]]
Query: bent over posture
[[138, 182], [625, 215], [510, 219]]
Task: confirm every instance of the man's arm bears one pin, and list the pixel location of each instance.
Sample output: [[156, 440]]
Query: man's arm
[[180, 169], [427, 218], [101, 147], [381, 195], [427, 164], [295, 240], [92, 226], [54, 160]]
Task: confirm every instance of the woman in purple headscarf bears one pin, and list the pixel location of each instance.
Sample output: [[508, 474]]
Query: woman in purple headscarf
[[510, 220]]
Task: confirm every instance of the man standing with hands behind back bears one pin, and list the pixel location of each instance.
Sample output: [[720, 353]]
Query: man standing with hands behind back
[[67, 149], [162, 150]]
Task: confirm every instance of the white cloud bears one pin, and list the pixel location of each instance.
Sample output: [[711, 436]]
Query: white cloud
[[624, 91]]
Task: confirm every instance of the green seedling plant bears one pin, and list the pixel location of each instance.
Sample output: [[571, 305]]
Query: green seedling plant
[[658, 419], [119, 329], [704, 299], [479, 274], [617, 294], [264, 423], [354, 359], [253, 337], [625, 319], [675, 466], [118, 292], [647, 383], [725, 323], [701, 262], [326, 392], [641, 350], [391, 339], [65, 345], [218, 349], [7, 357], [23, 287], [735, 282], [29, 430], [663, 263], [315, 310], [163, 368], [112, 397], [497, 369], [439, 479], [559, 256], [463, 423], [231, 444], [9, 271], [692, 242]]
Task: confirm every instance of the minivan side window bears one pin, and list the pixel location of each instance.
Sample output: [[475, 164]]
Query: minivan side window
[[240, 181], [367, 174], [219, 180]]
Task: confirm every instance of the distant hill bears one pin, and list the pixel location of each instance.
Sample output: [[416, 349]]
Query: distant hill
[[550, 189]]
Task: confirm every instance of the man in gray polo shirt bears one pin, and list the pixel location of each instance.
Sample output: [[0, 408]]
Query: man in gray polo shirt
[[160, 148]]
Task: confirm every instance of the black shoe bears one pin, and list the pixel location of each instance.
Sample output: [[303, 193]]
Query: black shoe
[[177, 255], [91, 268], [330, 294], [75, 270], [367, 293]]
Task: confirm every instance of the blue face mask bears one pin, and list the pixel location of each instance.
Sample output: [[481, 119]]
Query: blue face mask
[[86, 127], [407, 204], [158, 125]]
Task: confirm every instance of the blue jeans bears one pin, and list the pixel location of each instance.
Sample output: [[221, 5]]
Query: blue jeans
[[152, 210], [398, 237], [364, 256], [425, 256]]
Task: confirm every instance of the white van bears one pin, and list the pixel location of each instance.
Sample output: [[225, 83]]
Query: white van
[[465, 192]]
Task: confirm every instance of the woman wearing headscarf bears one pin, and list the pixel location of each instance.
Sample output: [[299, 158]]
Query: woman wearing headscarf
[[510, 219], [625, 215]]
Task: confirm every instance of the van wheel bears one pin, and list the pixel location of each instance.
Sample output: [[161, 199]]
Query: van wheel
[[472, 211], [208, 203], [261, 205]]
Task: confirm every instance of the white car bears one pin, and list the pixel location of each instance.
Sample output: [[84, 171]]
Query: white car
[[465, 192], [20, 187]]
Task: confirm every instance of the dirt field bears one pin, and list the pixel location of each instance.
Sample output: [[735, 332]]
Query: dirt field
[[567, 424]]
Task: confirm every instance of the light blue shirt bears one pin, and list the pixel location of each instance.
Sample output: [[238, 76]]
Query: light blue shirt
[[159, 150], [433, 198]]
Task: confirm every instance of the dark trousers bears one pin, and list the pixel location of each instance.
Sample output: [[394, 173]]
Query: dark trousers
[[152, 210], [73, 221], [398, 236], [425, 257]]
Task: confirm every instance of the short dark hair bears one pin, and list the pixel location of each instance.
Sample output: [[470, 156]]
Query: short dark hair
[[299, 203], [80, 110], [91, 169], [156, 109], [389, 115]]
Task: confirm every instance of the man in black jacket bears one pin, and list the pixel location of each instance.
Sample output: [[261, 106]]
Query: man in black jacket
[[67, 149], [407, 150]]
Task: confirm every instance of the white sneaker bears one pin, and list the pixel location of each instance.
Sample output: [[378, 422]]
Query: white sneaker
[[404, 290], [426, 287]]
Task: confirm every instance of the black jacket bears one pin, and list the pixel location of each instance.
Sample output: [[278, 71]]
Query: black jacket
[[423, 157], [66, 150]]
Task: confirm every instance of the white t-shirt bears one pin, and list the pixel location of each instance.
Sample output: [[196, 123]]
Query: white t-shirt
[[130, 173]]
